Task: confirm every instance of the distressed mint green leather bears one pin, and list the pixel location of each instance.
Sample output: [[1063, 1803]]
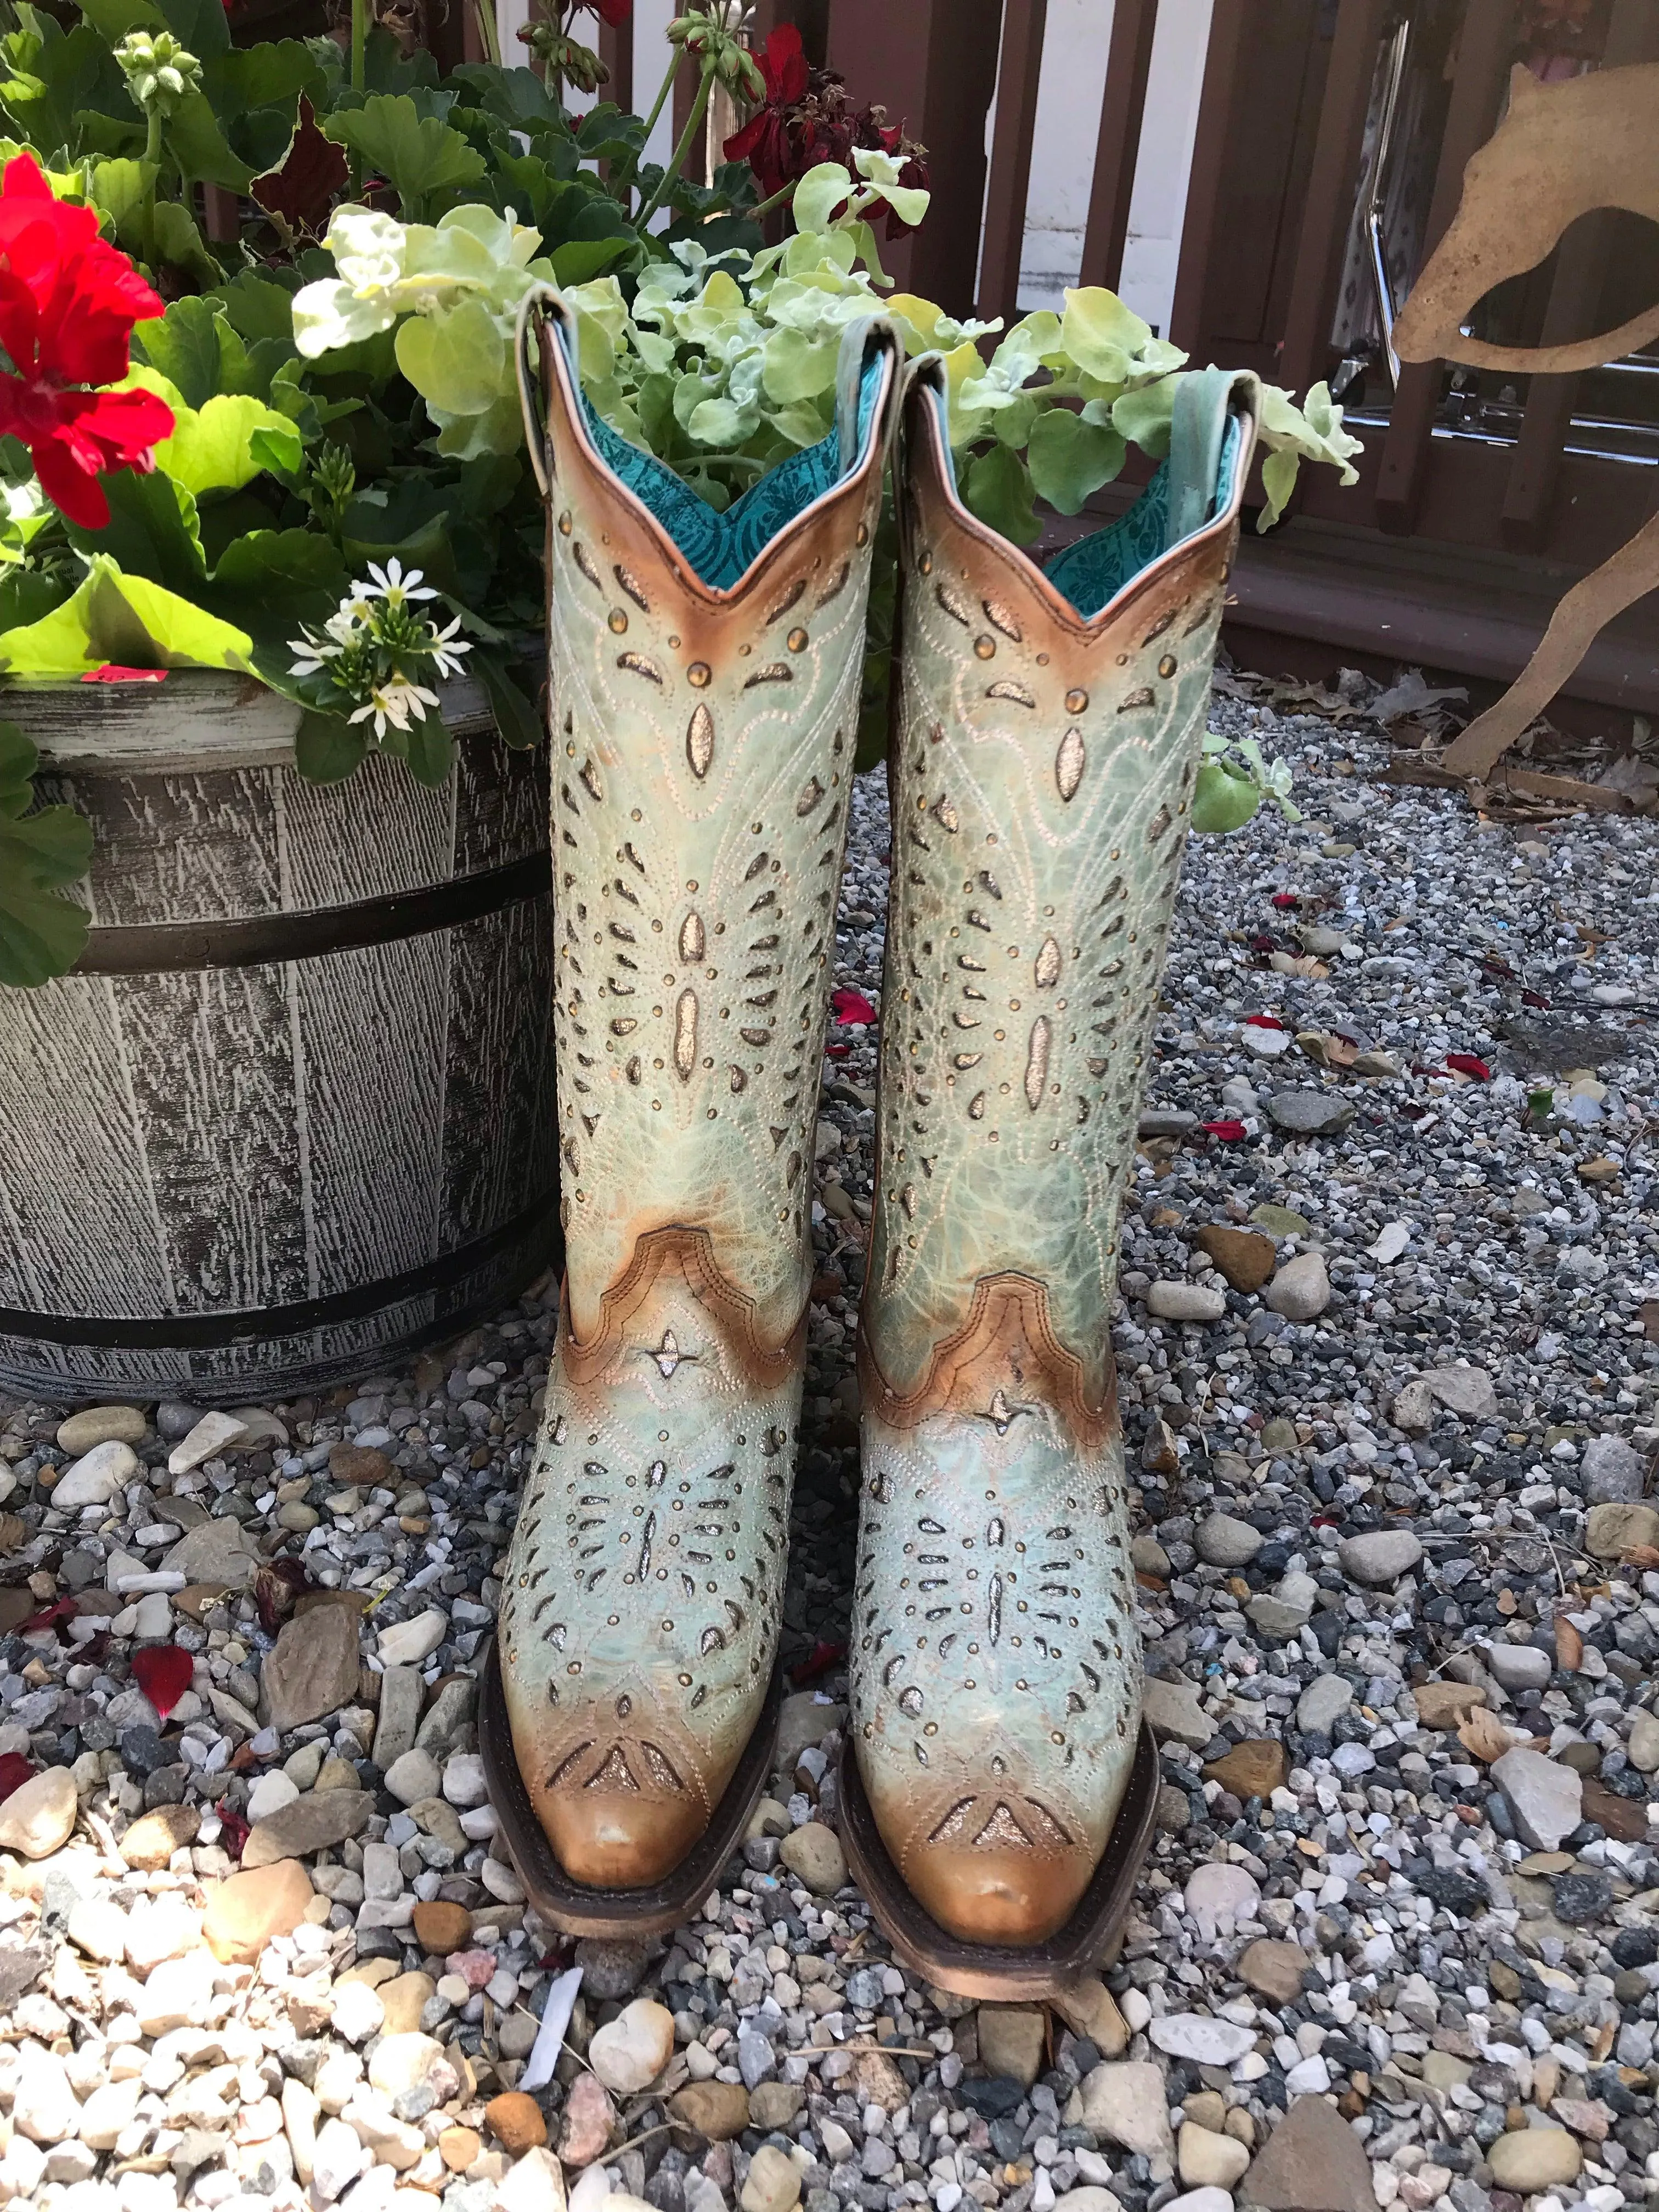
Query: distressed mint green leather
[[702, 751], [1043, 767]]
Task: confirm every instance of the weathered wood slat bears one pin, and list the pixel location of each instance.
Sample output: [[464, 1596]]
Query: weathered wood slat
[[371, 1028], [74, 1202], [495, 1067], [192, 1157], [338, 843], [212, 1071]]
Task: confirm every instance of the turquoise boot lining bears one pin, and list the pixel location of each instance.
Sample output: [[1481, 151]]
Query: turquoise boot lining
[[721, 548], [1094, 571], [1195, 483]]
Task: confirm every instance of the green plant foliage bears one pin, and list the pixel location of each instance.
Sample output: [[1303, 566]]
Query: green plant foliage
[[422, 157], [41, 933]]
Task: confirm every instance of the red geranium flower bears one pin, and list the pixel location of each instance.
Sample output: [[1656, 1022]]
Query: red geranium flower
[[68, 302], [763, 140], [615, 13]]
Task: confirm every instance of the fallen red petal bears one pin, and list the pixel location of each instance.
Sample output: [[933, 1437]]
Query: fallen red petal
[[233, 1831], [1228, 1132], [852, 1006], [62, 1609], [163, 1672], [1286, 902], [15, 1771], [821, 1657], [1467, 1064], [1263, 1022], [111, 673]]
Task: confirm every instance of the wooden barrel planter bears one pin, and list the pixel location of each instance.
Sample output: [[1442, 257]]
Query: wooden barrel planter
[[292, 1115]]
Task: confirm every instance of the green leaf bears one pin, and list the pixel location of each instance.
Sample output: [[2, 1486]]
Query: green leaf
[[516, 715], [201, 149], [196, 26], [120, 189], [69, 75], [41, 934], [19, 758], [1143, 417], [422, 157], [1222, 799], [1100, 334], [183, 344], [431, 752], [256, 308], [328, 749], [581, 259], [1279, 475], [273, 73], [153, 531], [997, 488], [457, 358], [177, 244], [212, 448], [126, 619], [1069, 458]]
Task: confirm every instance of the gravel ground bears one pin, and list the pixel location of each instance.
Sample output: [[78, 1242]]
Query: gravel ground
[[1389, 1286]]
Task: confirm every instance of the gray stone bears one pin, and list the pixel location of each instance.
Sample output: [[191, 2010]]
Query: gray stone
[[219, 1552], [1206, 2041], [1613, 1473], [1466, 1391], [1222, 1541], [1286, 1609], [805, 1720], [1547, 1798], [213, 1435], [414, 1776], [1379, 1557], [1182, 1301], [1322, 1704], [1519, 1665], [397, 1728], [312, 1670], [1301, 1289], [447, 1715], [1644, 1742], [1310, 1113], [96, 1477], [1173, 1709], [1128, 2104], [100, 1425], [316, 1821], [1011, 2041], [1610, 1531]]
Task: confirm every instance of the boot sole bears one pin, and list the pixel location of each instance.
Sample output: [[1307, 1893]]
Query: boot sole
[[616, 1915], [992, 1973]]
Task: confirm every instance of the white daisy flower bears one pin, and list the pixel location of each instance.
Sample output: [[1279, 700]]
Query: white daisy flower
[[447, 647], [394, 703], [392, 584]]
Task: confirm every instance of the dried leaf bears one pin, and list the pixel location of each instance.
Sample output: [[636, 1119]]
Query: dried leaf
[[1484, 1735], [1569, 1645], [1643, 1556]]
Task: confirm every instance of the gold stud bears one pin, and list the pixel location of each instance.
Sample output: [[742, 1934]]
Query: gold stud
[[698, 674], [617, 620], [1167, 666], [798, 641], [1076, 700]]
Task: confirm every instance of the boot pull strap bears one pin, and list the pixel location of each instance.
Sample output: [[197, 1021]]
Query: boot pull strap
[[534, 305], [1197, 428]]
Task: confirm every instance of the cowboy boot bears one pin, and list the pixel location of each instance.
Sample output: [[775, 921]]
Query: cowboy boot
[[705, 675], [1044, 759]]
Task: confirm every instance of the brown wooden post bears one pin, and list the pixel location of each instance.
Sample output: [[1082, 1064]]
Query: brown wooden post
[[1328, 209], [1581, 270], [1229, 27], [1123, 107], [1012, 134], [1484, 49], [617, 52], [933, 65]]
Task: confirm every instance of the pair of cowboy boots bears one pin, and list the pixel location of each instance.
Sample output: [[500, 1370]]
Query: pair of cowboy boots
[[706, 670]]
